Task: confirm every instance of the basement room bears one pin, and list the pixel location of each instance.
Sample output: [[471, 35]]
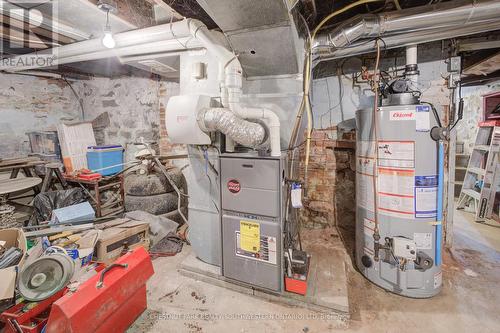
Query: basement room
[[249, 166]]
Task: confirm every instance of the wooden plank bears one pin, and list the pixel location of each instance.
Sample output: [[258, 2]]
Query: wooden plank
[[484, 67], [57, 230], [18, 160], [18, 184], [13, 22], [474, 44]]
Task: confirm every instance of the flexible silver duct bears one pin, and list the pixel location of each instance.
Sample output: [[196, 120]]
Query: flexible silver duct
[[434, 22], [242, 131]]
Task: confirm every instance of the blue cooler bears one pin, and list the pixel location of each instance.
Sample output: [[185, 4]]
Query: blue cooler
[[107, 158]]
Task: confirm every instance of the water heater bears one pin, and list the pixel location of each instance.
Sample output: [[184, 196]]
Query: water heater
[[397, 174]]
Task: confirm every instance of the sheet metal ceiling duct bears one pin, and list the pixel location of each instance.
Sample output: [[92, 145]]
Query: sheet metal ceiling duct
[[260, 32], [409, 26]]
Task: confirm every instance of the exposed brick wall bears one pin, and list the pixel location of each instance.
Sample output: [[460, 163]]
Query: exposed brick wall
[[330, 184]]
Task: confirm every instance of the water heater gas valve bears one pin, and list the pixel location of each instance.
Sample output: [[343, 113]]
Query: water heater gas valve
[[404, 248]]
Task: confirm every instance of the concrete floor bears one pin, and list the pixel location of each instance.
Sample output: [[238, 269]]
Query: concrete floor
[[468, 302]]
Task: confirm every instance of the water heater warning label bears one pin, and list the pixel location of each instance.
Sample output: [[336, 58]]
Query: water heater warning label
[[426, 196], [395, 192], [266, 253], [396, 154]]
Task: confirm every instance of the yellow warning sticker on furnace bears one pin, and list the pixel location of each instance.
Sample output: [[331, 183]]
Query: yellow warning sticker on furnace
[[250, 236]]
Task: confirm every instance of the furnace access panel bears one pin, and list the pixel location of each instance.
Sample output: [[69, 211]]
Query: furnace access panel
[[252, 228]]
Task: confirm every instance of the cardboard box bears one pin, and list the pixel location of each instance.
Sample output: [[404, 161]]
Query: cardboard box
[[12, 237], [83, 254], [127, 236]]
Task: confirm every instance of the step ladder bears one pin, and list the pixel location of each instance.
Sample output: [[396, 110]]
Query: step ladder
[[483, 172]]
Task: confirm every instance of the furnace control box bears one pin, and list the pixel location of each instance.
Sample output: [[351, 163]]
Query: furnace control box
[[252, 190]]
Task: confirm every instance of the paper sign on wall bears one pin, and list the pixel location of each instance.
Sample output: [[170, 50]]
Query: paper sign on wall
[[250, 236]]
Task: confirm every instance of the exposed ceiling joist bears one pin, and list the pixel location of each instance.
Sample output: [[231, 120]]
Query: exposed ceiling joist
[[38, 19], [37, 30], [18, 37], [474, 44], [140, 13], [167, 11], [484, 67]]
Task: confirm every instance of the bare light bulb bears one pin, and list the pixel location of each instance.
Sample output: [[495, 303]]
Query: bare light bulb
[[108, 40]]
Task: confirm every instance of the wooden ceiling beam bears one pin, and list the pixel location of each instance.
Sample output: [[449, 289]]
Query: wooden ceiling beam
[[484, 67], [26, 40], [37, 30]]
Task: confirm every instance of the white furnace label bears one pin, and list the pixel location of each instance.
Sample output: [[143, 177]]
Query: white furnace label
[[423, 240], [402, 115], [396, 154]]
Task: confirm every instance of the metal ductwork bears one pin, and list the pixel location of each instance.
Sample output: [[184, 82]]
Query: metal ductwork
[[409, 26], [159, 38], [242, 131], [261, 32]]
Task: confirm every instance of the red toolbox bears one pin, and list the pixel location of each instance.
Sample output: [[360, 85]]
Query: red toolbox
[[109, 301], [29, 317]]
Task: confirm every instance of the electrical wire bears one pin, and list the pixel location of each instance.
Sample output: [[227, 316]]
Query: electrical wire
[[306, 105], [434, 111], [77, 97]]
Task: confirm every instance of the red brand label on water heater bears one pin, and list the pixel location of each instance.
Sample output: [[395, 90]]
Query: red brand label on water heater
[[233, 186], [402, 115]]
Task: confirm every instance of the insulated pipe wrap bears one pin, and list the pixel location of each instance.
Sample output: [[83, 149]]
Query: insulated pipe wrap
[[242, 131], [439, 21]]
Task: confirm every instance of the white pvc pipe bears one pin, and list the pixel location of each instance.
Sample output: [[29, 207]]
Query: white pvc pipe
[[272, 121], [411, 55], [411, 59]]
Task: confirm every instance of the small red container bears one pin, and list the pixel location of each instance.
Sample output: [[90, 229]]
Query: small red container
[[296, 286]]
